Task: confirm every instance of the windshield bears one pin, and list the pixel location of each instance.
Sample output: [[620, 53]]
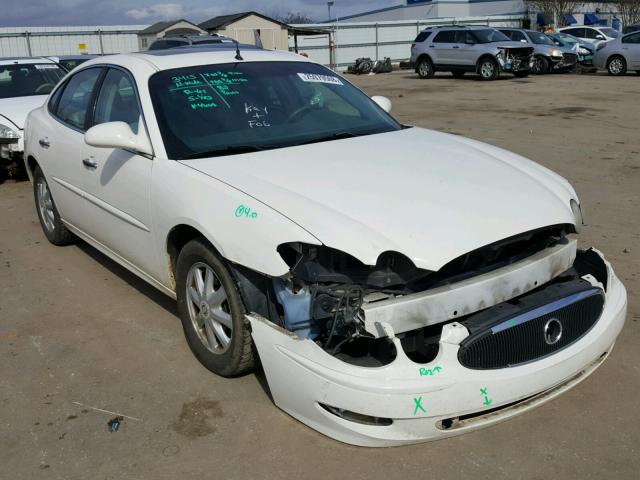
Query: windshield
[[540, 38], [23, 80], [489, 36], [230, 108], [610, 32]]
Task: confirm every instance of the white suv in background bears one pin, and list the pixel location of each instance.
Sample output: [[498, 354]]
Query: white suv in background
[[594, 35]]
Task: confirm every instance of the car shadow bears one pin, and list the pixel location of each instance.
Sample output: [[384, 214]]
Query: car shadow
[[131, 279]]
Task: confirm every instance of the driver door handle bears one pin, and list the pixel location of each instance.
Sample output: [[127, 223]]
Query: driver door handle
[[87, 162], [44, 142], [456, 46]]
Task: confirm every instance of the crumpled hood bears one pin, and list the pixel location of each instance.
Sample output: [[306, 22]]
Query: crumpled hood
[[430, 196], [16, 109]]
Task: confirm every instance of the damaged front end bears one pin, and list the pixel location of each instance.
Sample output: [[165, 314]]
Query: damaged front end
[[515, 59], [389, 354]]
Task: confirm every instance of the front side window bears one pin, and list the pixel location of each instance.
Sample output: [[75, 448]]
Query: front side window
[[635, 38], [591, 33], [489, 36], [117, 100], [28, 79], [210, 110], [73, 103]]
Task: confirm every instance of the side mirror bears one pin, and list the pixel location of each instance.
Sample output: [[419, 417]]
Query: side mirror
[[383, 102], [523, 41], [118, 135], [470, 41], [600, 37]]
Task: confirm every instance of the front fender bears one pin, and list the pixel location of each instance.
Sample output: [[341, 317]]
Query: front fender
[[242, 229]]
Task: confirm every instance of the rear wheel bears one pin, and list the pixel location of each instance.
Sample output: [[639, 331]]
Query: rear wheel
[[488, 69], [617, 66], [52, 226], [540, 65], [425, 68], [212, 312]]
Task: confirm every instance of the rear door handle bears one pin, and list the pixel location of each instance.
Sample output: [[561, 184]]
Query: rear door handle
[[44, 142], [87, 162], [456, 46], [432, 46]]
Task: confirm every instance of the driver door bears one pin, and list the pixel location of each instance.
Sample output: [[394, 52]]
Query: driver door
[[118, 181]]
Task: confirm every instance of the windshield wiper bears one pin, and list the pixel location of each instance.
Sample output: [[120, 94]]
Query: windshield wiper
[[333, 136], [231, 150]]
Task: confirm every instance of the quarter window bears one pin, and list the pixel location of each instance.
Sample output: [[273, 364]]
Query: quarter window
[[75, 99], [117, 101]]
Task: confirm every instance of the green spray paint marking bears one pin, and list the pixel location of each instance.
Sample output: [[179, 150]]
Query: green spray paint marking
[[418, 406], [484, 392], [425, 372], [246, 212]]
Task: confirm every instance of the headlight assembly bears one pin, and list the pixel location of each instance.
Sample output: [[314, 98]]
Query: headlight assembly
[[577, 215], [8, 135], [556, 53]]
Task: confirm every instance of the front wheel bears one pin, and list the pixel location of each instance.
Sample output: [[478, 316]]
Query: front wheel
[[52, 226], [489, 69], [617, 66], [540, 66], [212, 312]]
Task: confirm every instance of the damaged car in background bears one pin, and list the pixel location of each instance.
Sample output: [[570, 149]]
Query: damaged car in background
[[396, 284]]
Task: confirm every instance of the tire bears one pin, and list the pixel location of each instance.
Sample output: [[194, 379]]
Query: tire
[[488, 69], [617, 66], [425, 68], [522, 74], [55, 231], [212, 316], [541, 65], [458, 73]]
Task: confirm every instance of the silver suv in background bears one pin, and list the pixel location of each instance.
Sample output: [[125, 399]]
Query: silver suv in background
[[547, 56], [619, 55], [464, 49]]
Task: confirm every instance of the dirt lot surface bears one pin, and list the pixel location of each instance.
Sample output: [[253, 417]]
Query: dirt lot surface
[[78, 333]]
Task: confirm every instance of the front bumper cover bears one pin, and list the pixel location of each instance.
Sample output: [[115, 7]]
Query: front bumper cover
[[423, 401]]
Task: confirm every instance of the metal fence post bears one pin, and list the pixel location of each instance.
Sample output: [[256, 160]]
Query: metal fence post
[[377, 57], [26, 36], [100, 39]]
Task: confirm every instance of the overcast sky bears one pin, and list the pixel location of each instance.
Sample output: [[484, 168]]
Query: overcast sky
[[119, 12]]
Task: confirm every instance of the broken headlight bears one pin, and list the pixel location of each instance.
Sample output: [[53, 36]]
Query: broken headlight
[[577, 215]]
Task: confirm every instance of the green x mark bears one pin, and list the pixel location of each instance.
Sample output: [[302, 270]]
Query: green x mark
[[483, 391], [418, 406]]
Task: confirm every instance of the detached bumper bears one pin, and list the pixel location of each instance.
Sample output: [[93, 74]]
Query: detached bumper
[[406, 402]]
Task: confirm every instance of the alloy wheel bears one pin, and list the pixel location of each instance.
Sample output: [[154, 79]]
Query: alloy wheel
[[45, 204]]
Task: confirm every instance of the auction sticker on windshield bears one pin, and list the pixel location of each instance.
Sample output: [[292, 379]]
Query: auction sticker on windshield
[[316, 78]]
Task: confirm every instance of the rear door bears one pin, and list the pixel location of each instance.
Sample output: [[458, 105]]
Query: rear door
[[441, 48], [61, 140], [631, 49], [118, 181]]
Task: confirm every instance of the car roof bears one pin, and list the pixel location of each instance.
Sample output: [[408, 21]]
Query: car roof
[[193, 56], [24, 60], [458, 27]]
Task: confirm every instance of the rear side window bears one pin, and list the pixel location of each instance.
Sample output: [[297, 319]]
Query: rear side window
[[445, 37], [635, 38], [75, 99], [422, 36]]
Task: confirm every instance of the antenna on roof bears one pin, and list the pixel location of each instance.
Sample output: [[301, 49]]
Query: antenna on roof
[[238, 56]]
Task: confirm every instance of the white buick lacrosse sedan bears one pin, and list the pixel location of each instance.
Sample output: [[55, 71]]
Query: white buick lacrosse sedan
[[397, 284]]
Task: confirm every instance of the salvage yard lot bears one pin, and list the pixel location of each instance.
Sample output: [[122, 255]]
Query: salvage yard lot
[[77, 332]]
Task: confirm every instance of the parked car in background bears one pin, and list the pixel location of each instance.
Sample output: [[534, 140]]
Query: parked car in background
[[631, 28], [441, 292], [547, 56], [24, 85], [584, 50], [619, 55], [69, 62], [186, 40], [592, 34], [464, 49]]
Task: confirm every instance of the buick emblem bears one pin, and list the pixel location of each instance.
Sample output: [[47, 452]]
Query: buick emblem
[[552, 331]]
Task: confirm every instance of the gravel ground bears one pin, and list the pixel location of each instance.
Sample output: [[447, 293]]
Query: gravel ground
[[79, 334]]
